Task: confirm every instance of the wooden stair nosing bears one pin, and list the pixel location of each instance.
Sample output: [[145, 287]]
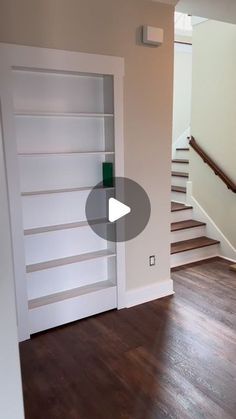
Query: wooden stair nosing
[[180, 174], [179, 189], [192, 244], [177, 206], [181, 161], [186, 224]]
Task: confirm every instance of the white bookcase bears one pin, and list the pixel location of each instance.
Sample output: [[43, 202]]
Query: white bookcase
[[66, 112]]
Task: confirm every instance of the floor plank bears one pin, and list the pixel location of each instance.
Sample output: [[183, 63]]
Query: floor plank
[[170, 358]]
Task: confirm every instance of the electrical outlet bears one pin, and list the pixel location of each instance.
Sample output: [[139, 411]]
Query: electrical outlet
[[152, 260]]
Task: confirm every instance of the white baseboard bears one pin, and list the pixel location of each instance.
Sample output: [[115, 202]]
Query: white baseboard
[[226, 249], [230, 260], [149, 293]]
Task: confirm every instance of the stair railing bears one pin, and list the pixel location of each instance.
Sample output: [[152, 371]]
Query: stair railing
[[208, 160]]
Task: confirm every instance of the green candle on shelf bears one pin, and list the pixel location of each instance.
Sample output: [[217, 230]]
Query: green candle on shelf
[[107, 174]]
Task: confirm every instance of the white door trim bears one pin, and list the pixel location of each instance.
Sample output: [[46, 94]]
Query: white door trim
[[15, 56]]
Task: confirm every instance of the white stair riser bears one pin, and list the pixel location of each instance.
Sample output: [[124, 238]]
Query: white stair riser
[[187, 234], [180, 154], [179, 181], [190, 256], [61, 278], [180, 167], [181, 215], [178, 197], [69, 310]]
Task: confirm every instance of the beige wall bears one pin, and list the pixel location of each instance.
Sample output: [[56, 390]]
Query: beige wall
[[112, 27], [182, 90], [214, 120]]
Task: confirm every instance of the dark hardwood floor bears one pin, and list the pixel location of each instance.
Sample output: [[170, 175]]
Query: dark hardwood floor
[[171, 358]]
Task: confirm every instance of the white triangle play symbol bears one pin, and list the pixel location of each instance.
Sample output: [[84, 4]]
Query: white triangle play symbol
[[117, 210]]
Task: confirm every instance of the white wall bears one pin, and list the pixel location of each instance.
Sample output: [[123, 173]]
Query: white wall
[[11, 404], [182, 89], [213, 120]]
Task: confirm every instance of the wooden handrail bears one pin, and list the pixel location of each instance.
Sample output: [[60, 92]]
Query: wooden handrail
[[216, 169]]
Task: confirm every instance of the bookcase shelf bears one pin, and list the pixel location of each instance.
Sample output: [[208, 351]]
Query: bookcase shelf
[[68, 260], [63, 114], [60, 308], [46, 229], [67, 112], [55, 147], [73, 293], [55, 191], [66, 153]]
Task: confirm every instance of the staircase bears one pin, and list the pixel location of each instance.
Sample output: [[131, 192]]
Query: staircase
[[189, 242]]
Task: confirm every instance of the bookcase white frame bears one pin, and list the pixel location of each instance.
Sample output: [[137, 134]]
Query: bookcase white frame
[[35, 58]]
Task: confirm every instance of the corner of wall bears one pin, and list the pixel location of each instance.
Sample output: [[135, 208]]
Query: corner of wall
[[227, 250]]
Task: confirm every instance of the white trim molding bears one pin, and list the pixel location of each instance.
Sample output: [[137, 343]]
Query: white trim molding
[[227, 250], [149, 293]]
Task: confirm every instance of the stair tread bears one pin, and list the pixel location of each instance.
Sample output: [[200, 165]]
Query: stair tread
[[184, 225], [182, 149], [184, 161], [177, 206], [197, 243], [180, 174], [181, 189]]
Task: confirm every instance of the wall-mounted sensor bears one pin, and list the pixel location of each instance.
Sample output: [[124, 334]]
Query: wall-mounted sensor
[[153, 36]]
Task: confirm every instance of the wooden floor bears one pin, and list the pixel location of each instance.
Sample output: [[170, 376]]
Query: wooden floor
[[172, 358]]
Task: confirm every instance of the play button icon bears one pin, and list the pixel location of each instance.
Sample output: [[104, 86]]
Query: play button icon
[[120, 212], [117, 210]]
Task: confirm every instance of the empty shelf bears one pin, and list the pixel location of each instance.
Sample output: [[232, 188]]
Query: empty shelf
[[52, 191], [64, 153], [46, 229], [68, 260], [72, 293], [63, 114]]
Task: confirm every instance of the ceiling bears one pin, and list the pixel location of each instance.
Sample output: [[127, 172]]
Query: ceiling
[[212, 9], [224, 10]]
